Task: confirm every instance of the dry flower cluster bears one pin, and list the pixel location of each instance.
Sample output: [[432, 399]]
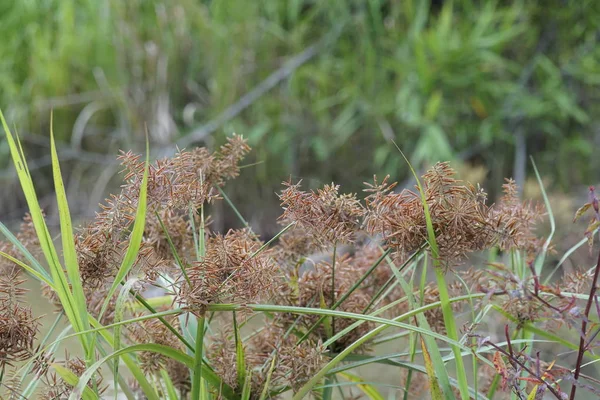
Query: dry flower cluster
[[338, 252]]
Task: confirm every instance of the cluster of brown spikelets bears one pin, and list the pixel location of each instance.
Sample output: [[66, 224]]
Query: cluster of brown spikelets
[[333, 242]]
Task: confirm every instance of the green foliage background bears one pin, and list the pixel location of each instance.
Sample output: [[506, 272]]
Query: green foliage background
[[482, 81]]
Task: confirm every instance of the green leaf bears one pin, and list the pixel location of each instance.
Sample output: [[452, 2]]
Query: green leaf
[[68, 241], [69, 377], [119, 312], [440, 368], [167, 351], [265, 390], [198, 354], [171, 392], [539, 262], [369, 390], [434, 385], [135, 239], [240, 358], [59, 278]]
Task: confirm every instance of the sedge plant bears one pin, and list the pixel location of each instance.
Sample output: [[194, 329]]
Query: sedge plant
[[171, 309]]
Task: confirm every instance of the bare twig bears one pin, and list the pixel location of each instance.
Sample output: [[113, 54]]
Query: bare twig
[[582, 344], [258, 91]]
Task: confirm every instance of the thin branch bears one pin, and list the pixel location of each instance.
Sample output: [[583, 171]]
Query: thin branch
[[582, 344], [258, 91]]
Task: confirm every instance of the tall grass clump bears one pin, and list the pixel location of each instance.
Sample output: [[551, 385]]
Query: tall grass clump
[[383, 297]]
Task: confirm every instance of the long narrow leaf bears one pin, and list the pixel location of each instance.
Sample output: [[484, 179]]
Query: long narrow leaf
[[152, 347], [135, 239], [68, 243], [59, 278], [447, 312]]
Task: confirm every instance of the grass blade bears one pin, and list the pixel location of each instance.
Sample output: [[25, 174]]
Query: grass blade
[[119, 311], [68, 242], [59, 278], [539, 262], [135, 239], [167, 351], [198, 354], [447, 312]]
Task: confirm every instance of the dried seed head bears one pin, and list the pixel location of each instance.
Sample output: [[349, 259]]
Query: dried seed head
[[18, 326], [326, 215], [232, 271]]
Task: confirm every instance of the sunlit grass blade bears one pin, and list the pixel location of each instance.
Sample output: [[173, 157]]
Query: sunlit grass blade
[[434, 386], [69, 377], [59, 278], [369, 390], [68, 241]]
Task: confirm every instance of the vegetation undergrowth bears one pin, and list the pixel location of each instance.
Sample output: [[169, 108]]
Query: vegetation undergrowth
[[174, 310]]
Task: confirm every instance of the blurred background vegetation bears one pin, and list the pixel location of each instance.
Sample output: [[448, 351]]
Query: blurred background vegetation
[[319, 89]]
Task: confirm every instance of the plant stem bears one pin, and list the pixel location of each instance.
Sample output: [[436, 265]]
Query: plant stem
[[582, 344], [333, 287]]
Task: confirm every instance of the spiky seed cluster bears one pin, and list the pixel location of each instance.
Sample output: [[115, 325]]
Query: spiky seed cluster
[[294, 365], [461, 220], [328, 216], [18, 326], [55, 388], [313, 287], [435, 316], [458, 213], [232, 270], [514, 221], [517, 296], [174, 185], [154, 331], [294, 246]]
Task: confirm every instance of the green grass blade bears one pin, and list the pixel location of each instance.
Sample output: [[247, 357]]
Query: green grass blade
[[28, 269], [369, 390], [59, 278], [346, 294], [32, 261], [240, 357], [198, 354], [173, 249], [68, 241], [539, 262], [135, 239], [132, 365], [246, 388], [265, 390], [69, 377], [171, 392], [152, 347], [449, 320], [233, 207], [119, 312]]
